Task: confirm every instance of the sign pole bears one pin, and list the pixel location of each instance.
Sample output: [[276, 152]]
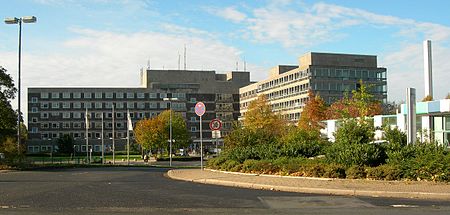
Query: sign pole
[[201, 144]]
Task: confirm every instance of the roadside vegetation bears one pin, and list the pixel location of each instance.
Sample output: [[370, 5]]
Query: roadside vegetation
[[272, 146]]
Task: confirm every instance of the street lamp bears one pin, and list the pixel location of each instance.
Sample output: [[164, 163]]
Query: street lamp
[[15, 20], [170, 127]]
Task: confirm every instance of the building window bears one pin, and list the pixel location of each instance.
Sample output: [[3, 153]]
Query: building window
[[98, 105], [108, 105], [66, 95], [44, 105], [193, 118], [140, 115], [77, 95], [130, 95], [109, 95], [34, 110], [66, 105], [34, 119], [44, 115], [77, 105], [87, 95], [119, 95], [88, 105], [98, 95], [55, 114], [44, 95], [141, 105], [66, 115], [130, 104], [193, 100], [76, 125], [193, 129], [119, 105], [153, 105], [163, 105], [163, 95], [55, 125], [55, 95], [55, 105], [119, 115], [44, 125], [76, 115], [179, 95], [152, 95], [141, 95], [66, 125], [34, 99]]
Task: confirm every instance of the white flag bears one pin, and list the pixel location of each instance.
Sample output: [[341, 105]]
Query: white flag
[[86, 119], [130, 125]]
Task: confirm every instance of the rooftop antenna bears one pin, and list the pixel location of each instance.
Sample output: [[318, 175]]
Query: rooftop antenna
[[148, 64], [237, 66], [245, 66], [184, 56], [179, 60]]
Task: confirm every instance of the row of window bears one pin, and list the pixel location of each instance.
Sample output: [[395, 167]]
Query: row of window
[[106, 95], [49, 148], [79, 125], [94, 115], [342, 87], [109, 105], [349, 73], [81, 135], [283, 80]]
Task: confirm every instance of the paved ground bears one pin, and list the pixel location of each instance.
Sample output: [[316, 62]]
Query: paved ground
[[410, 189], [146, 191]]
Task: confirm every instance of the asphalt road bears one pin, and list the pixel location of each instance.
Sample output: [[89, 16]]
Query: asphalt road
[[147, 190]]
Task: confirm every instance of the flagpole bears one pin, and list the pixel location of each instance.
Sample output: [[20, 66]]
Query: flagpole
[[128, 136], [87, 139], [103, 143], [113, 145]]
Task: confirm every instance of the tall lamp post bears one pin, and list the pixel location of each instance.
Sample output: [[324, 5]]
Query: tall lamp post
[[170, 127], [15, 20]]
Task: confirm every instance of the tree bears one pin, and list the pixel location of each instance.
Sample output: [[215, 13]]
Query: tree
[[259, 116], [180, 134], [65, 144], [8, 117], [448, 96], [361, 104], [427, 98], [313, 113], [149, 133], [153, 134]]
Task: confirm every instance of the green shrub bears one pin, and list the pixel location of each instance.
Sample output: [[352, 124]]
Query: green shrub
[[334, 171], [384, 172], [228, 165], [356, 154], [249, 165], [302, 143], [356, 172], [355, 131], [215, 163], [242, 137], [312, 169]]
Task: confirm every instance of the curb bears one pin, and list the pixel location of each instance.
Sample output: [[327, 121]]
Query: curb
[[349, 192]]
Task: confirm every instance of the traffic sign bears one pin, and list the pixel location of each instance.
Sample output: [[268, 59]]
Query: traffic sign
[[215, 124], [200, 109]]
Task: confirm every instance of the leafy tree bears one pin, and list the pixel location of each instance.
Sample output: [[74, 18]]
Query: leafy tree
[[361, 104], [313, 113], [65, 144], [153, 133], [149, 133], [180, 134], [243, 137], [8, 117], [354, 131], [448, 96], [9, 147], [427, 98], [259, 116]]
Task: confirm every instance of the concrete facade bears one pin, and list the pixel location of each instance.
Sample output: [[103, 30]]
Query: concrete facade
[[53, 112], [329, 75]]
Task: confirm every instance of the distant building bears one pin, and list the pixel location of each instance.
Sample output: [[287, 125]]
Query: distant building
[[53, 112], [326, 74]]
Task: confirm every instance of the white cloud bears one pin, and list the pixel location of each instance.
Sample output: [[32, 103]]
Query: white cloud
[[229, 13]]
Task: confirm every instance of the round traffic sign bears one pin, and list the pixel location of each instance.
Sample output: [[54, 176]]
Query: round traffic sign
[[200, 109], [215, 124]]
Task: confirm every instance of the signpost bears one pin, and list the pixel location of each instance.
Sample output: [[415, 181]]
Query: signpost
[[200, 109], [215, 125]]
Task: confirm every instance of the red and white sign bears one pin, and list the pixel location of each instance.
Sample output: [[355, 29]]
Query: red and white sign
[[215, 124], [200, 109]]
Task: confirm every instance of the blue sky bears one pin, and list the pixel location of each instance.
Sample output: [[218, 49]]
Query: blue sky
[[106, 42]]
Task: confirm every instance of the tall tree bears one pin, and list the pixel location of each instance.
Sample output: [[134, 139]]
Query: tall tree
[[361, 104], [259, 116], [8, 117], [180, 134], [313, 112], [65, 144], [149, 133]]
